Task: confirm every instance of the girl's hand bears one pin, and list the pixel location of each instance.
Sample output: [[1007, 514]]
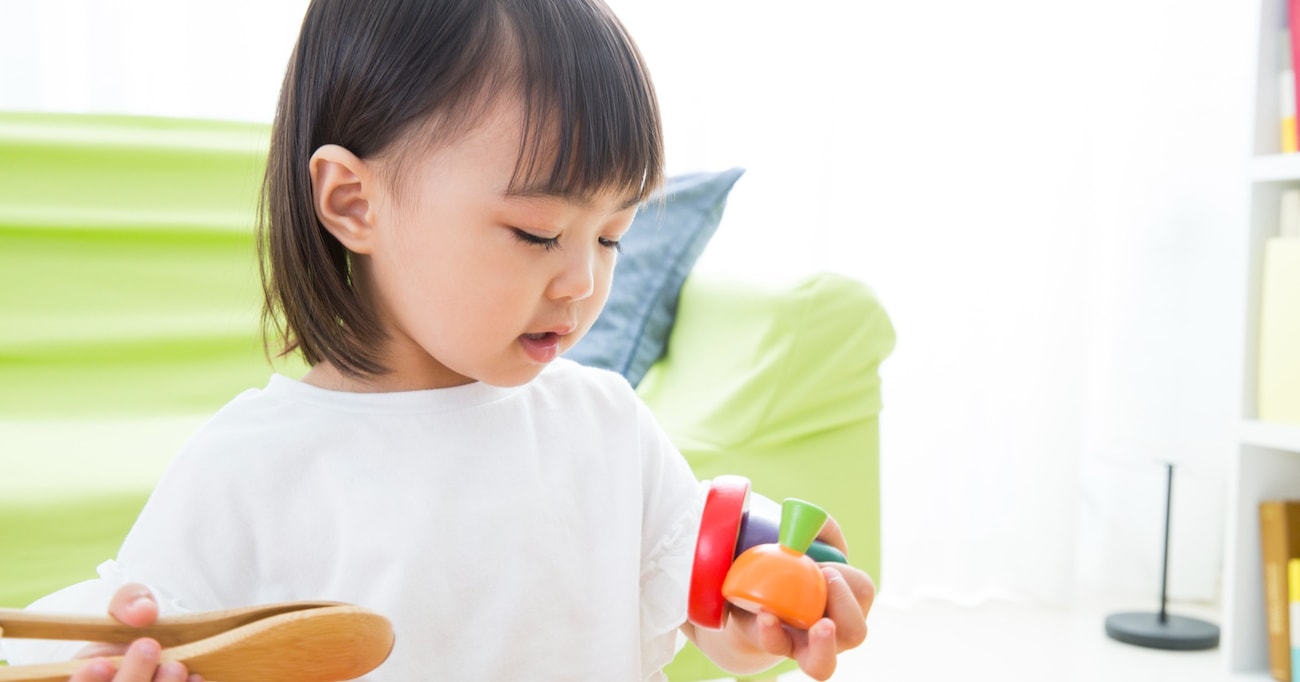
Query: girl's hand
[[133, 605], [849, 593], [754, 642]]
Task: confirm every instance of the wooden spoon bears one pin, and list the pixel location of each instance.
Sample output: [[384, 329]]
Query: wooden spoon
[[324, 644], [169, 631]]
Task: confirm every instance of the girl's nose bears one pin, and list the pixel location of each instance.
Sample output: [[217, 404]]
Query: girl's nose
[[577, 278]]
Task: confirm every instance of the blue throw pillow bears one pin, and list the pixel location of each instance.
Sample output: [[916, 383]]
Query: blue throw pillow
[[667, 237]]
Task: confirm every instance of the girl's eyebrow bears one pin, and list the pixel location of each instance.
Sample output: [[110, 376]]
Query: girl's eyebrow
[[540, 194]]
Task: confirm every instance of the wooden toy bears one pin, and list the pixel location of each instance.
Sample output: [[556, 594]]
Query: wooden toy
[[729, 527], [781, 578], [757, 528], [303, 641], [715, 549]]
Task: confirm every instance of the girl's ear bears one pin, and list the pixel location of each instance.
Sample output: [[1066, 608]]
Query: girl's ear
[[341, 192]]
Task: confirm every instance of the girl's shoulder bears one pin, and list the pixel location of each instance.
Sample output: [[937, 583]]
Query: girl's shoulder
[[254, 422]]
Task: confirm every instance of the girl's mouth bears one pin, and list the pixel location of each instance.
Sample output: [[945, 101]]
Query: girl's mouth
[[541, 348]]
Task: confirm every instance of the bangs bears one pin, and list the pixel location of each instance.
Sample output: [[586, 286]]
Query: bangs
[[591, 121]]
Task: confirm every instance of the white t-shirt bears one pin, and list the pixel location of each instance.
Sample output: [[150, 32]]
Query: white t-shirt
[[544, 531]]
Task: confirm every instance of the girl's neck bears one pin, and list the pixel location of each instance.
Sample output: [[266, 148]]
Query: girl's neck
[[325, 375]]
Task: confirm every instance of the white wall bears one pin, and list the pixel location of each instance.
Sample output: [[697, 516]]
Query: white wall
[[1047, 195], [221, 60], [1168, 140]]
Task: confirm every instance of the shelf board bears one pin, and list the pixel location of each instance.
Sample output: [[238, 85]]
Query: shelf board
[[1270, 435], [1275, 168]]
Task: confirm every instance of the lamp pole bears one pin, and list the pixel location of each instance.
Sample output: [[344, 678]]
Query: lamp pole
[[1163, 630]]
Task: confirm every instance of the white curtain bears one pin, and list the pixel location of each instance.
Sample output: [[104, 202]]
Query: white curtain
[[1048, 196]]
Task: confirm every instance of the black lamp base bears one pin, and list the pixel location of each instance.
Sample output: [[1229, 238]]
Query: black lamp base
[[1178, 633]]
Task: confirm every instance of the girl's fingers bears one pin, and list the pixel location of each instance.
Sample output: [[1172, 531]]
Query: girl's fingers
[[859, 583], [170, 672], [843, 607], [134, 605], [832, 535], [772, 637], [849, 595], [818, 657], [98, 670], [140, 662]]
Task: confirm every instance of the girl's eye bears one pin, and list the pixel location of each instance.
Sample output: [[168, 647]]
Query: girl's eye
[[526, 237], [612, 244]]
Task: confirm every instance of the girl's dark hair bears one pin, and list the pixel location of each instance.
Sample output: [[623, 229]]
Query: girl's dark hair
[[365, 74]]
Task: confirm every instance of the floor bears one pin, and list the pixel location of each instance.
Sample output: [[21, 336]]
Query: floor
[[935, 641]]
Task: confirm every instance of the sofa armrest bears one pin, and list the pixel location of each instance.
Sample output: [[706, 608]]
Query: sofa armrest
[[781, 384], [755, 366]]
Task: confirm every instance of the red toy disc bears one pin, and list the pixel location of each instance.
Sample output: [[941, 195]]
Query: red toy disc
[[715, 548]]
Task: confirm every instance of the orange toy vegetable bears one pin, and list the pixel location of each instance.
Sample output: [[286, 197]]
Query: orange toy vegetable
[[779, 577]]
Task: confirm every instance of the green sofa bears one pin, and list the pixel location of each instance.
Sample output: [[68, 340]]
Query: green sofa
[[130, 312]]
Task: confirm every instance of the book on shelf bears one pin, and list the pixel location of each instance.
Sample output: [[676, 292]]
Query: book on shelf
[[1289, 63], [1278, 365], [1279, 536], [1286, 89], [1288, 224], [1293, 590]]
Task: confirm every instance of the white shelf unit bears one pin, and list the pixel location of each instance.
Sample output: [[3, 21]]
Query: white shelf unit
[[1266, 460]]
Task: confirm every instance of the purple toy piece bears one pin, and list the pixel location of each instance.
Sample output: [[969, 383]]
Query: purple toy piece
[[759, 528]]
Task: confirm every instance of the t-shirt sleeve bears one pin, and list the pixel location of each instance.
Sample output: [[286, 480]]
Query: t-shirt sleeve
[[673, 501], [191, 543]]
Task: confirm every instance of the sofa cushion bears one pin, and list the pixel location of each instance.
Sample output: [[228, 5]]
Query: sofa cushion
[[668, 235]]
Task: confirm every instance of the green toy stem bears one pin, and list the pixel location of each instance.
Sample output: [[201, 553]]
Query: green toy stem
[[801, 521]]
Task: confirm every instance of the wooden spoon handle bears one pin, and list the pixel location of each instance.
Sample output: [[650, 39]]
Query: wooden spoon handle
[[45, 672], [169, 631], [314, 645]]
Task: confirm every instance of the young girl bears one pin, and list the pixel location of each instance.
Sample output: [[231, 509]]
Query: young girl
[[447, 185]]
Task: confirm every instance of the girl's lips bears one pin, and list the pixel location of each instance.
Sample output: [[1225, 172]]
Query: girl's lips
[[542, 348]]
